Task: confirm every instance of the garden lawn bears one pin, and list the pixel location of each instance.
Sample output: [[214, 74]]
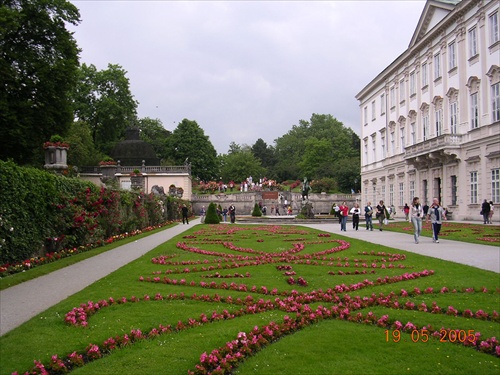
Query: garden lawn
[[465, 232], [270, 300]]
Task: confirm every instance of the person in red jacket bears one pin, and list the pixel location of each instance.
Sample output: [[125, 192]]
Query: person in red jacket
[[344, 212]]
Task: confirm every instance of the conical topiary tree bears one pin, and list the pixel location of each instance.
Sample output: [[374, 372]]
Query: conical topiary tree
[[256, 210], [212, 217]]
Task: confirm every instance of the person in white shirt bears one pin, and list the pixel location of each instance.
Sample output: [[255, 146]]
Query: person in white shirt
[[355, 211], [416, 214]]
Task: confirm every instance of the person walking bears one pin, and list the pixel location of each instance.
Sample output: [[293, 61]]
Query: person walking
[[344, 212], [369, 216], [491, 212], [355, 211], [232, 213], [203, 213], [436, 214], [184, 214], [382, 214], [406, 210], [416, 214], [485, 211]]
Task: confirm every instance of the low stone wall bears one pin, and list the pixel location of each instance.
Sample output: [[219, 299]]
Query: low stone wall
[[245, 202]]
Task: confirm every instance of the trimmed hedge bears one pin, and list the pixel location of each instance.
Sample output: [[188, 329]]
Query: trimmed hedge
[[212, 217], [42, 212], [256, 210]]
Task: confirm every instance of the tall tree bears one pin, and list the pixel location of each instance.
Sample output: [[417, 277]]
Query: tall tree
[[237, 166], [82, 150], [188, 143], [264, 153], [104, 101], [153, 132], [38, 66]]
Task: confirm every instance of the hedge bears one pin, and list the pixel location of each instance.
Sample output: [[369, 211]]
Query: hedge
[[43, 212]]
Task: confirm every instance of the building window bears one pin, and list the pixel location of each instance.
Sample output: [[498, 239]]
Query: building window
[[452, 56], [373, 110], [474, 111], [401, 193], [382, 104], [374, 149], [424, 75], [393, 146], [366, 151], [453, 118], [495, 102], [412, 84], [402, 138], [412, 189], [437, 66], [391, 194], [413, 134], [472, 42], [473, 187], [494, 30], [439, 122], [425, 191], [374, 194], [453, 190], [382, 192], [382, 143], [425, 127], [495, 185], [365, 115], [402, 93], [393, 97]]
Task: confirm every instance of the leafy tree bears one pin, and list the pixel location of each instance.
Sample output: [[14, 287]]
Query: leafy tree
[[188, 143], [82, 150], [265, 154], [38, 66], [347, 174], [104, 101], [238, 166], [314, 149], [153, 132]]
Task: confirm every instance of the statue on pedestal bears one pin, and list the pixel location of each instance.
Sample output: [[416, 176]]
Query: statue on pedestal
[[305, 190]]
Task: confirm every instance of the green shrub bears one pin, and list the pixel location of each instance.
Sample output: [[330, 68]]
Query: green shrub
[[41, 212], [327, 185], [256, 210], [211, 216]]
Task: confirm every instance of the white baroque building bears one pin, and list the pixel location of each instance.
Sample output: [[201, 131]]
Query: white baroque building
[[431, 120]]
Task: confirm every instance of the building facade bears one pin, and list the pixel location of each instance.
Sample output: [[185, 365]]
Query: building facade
[[431, 120]]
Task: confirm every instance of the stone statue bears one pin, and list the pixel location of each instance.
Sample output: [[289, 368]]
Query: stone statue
[[305, 189]]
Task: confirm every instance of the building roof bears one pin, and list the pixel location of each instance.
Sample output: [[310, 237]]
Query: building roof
[[434, 11]]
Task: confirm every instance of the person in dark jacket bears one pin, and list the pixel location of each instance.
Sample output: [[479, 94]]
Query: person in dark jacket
[[184, 214], [485, 211]]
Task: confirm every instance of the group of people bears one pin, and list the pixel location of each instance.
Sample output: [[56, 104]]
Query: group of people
[[416, 212], [487, 212]]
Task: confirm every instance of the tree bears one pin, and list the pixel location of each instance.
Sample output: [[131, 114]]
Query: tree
[[238, 166], [82, 150], [188, 143], [211, 216], [265, 154], [153, 132], [38, 67], [104, 101]]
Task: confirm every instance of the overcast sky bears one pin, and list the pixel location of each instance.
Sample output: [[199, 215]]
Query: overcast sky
[[245, 70]]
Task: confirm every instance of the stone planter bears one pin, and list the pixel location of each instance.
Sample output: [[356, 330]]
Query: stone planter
[[56, 157]]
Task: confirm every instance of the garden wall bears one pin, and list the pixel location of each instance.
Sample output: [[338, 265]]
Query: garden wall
[[244, 202]]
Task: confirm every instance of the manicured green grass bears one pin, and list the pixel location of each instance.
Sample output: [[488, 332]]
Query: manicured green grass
[[473, 233], [330, 346], [44, 269]]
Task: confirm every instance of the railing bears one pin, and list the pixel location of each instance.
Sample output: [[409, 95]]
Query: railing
[[434, 144], [144, 169]]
